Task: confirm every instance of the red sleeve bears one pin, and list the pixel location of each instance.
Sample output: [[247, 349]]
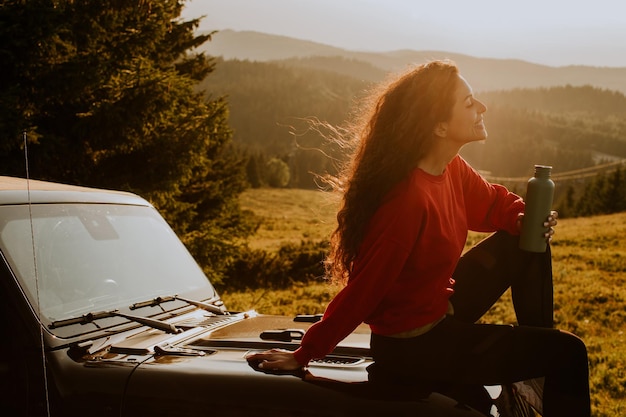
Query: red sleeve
[[490, 207], [382, 256]]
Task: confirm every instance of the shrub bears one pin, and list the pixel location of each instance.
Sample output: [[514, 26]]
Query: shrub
[[254, 268]]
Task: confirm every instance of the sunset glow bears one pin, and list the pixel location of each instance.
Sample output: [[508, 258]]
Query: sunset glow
[[556, 32]]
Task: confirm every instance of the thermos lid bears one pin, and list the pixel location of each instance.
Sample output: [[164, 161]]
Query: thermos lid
[[543, 171]]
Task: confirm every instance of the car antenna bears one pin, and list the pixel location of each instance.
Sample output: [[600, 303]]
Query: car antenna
[[32, 239]]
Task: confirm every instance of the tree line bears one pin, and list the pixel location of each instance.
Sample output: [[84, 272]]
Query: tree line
[[603, 194]]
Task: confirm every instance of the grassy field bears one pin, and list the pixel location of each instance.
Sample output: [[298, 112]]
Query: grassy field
[[589, 264], [289, 216]]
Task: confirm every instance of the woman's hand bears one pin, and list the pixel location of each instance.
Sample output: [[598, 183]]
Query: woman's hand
[[550, 223], [275, 360]]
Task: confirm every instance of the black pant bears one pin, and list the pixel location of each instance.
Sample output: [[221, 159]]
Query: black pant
[[458, 352]]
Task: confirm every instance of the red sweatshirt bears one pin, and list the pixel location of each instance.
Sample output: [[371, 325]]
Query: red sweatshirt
[[402, 276]]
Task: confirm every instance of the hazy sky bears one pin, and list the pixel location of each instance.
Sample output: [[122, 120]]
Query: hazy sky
[[551, 32]]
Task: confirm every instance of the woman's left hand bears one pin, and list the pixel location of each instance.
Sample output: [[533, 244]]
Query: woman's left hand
[[550, 223], [275, 360]]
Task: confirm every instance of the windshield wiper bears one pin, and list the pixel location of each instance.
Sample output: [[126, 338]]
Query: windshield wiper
[[91, 317], [213, 306]]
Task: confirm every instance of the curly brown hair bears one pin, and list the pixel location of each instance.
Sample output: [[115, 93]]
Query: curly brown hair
[[394, 131]]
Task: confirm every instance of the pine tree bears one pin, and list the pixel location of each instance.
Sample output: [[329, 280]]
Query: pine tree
[[613, 193], [254, 169], [106, 91], [567, 204]]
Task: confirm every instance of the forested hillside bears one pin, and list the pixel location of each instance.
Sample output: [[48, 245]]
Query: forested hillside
[[269, 107], [567, 127]]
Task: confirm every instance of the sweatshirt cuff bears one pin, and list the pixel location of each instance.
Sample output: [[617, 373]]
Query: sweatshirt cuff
[[303, 356]]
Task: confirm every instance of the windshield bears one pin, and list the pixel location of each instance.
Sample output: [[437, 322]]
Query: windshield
[[95, 256]]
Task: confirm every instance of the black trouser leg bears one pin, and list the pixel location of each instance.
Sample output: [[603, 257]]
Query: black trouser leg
[[483, 274], [456, 354], [487, 270]]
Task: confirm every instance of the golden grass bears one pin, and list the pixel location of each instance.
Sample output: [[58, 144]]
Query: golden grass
[[589, 266], [289, 215]]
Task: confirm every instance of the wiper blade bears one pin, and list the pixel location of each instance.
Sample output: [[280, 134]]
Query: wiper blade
[[91, 317], [213, 306]]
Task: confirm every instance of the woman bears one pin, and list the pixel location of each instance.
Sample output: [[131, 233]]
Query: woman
[[409, 200]]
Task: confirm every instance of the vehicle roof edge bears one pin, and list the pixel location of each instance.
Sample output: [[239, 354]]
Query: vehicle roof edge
[[15, 190]]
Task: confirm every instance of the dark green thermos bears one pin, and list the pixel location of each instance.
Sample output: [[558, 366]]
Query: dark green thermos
[[539, 195]]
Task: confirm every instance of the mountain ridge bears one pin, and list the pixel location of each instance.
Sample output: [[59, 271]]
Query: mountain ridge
[[485, 74]]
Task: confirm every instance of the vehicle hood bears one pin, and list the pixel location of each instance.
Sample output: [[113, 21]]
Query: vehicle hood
[[269, 329], [204, 371], [212, 353], [210, 374], [244, 331]]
